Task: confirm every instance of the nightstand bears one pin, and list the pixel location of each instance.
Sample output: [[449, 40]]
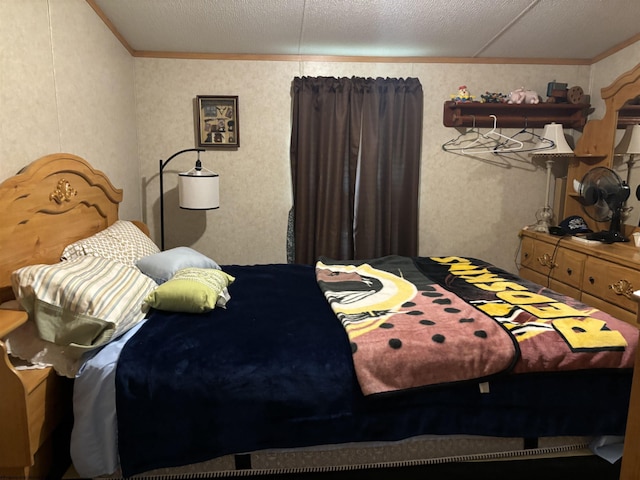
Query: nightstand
[[33, 404]]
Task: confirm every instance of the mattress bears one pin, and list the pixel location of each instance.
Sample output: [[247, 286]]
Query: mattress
[[274, 371]]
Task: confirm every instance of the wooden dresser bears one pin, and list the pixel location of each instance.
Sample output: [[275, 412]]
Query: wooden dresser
[[603, 276]]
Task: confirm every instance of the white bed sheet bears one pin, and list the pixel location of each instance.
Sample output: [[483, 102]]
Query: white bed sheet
[[94, 438]]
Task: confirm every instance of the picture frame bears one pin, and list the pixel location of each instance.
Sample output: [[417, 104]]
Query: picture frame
[[217, 121]]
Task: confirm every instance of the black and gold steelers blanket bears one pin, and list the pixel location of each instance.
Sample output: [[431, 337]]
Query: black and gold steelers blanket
[[424, 321]]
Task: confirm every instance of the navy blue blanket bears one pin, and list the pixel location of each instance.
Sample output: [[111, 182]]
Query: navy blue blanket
[[275, 370]]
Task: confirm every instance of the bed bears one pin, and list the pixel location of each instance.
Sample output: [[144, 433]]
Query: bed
[[256, 369]]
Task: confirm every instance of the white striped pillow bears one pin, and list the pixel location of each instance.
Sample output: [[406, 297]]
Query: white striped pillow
[[83, 302]]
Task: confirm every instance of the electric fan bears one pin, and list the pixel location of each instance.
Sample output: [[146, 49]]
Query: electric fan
[[603, 195]]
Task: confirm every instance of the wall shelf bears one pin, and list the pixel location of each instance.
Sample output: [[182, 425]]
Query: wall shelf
[[469, 114]]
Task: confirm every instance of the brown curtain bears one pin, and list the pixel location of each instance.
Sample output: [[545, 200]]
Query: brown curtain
[[355, 162]]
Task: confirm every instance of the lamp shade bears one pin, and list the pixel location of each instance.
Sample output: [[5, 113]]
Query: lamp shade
[[630, 141], [554, 132], [199, 190]]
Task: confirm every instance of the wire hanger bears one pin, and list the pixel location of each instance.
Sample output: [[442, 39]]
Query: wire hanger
[[455, 144], [508, 144], [539, 142]]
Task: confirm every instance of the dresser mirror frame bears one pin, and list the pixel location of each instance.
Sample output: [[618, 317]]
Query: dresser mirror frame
[[596, 146], [598, 138]]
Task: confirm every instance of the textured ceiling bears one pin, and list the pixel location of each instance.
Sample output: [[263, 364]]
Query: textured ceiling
[[534, 29]]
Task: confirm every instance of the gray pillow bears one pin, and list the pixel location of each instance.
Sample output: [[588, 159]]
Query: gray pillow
[[163, 266]]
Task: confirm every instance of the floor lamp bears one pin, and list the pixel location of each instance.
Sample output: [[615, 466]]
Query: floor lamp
[[198, 188], [560, 149]]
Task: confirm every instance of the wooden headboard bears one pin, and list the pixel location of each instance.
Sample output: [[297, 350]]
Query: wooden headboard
[[49, 204]]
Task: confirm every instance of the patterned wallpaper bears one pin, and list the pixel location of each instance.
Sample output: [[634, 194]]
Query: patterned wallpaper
[[469, 205], [69, 85]]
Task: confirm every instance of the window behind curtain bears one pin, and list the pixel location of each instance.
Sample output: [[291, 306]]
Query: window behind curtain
[[355, 163]]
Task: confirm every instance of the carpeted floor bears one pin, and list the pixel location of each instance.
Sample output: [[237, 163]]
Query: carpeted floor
[[582, 468], [591, 468], [567, 468]]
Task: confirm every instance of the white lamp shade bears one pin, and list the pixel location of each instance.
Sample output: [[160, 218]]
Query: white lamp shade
[[554, 132], [630, 141], [199, 190]]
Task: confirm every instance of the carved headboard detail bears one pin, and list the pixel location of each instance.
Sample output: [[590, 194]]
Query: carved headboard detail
[[49, 204]]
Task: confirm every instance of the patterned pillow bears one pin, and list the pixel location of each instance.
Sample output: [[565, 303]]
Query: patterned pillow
[[122, 242], [82, 302], [192, 290]]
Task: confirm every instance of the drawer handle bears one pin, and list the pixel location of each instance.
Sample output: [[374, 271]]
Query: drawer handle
[[546, 260], [622, 287]]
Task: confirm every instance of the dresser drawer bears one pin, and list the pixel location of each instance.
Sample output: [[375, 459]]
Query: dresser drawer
[[533, 276], [545, 281], [611, 282], [569, 267], [617, 312], [565, 289], [537, 256], [526, 253]]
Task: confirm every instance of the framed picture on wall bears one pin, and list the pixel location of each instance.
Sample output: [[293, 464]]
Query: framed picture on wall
[[217, 121]]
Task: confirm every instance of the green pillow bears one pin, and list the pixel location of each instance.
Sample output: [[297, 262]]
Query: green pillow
[[192, 290]]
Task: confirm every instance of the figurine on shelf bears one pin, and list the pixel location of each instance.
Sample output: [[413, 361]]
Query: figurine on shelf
[[463, 95], [492, 97], [557, 92], [573, 95], [522, 95]]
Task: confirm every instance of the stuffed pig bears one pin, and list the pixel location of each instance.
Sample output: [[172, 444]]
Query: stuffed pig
[[521, 95]]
